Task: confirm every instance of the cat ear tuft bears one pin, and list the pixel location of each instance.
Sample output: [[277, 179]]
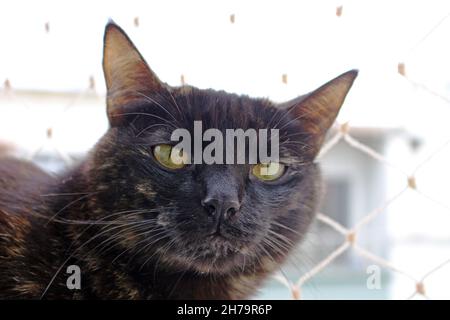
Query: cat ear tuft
[[318, 110], [128, 77]]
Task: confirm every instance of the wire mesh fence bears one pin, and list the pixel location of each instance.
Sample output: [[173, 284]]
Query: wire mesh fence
[[350, 233], [19, 98]]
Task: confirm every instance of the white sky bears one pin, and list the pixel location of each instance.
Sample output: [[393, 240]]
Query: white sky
[[303, 39]]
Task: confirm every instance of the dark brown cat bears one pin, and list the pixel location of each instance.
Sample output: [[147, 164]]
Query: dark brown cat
[[137, 226]]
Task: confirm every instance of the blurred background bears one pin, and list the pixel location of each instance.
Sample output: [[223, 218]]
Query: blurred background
[[386, 211]]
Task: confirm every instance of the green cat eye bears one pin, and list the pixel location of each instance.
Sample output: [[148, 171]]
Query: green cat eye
[[170, 157], [268, 171]]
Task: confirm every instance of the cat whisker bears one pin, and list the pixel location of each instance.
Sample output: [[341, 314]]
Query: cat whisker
[[302, 116], [140, 234], [281, 237], [161, 231], [176, 104], [73, 254], [286, 227], [178, 282], [158, 104], [149, 115], [156, 251], [282, 253], [151, 126], [148, 245], [123, 229], [168, 246], [63, 194], [286, 113], [278, 247], [70, 204], [92, 222], [67, 260]]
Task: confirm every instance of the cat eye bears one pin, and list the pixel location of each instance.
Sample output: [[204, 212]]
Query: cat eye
[[268, 171], [170, 157]]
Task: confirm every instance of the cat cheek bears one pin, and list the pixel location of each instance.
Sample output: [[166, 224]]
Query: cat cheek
[[146, 190]]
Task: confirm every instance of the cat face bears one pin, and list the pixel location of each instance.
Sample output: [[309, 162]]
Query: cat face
[[212, 218]]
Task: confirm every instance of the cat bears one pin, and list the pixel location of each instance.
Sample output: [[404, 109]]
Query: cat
[[137, 226]]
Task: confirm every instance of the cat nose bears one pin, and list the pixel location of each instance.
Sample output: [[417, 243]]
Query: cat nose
[[225, 208]]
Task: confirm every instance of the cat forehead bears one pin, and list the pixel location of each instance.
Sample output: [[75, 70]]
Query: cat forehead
[[219, 107], [218, 97]]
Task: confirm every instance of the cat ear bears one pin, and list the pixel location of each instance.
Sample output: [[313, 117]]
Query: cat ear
[[318, 109], [128, 77]]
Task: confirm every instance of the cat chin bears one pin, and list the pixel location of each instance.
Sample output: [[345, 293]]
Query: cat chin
[[211, 254], [222, 265], [209, 263]]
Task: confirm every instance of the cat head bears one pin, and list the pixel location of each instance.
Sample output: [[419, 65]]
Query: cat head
[[212, 218]]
